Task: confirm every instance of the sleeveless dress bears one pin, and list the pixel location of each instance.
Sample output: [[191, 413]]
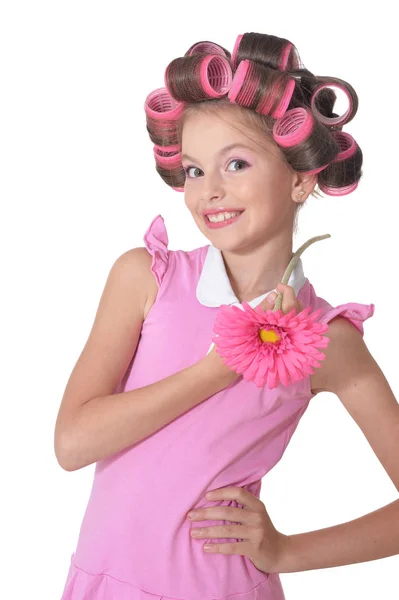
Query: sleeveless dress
[[134, 541]]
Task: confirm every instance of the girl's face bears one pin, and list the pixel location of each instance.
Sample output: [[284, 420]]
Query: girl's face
[[248, 177]]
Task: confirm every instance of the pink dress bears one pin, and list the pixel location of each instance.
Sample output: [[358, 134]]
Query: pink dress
[[134, 541]]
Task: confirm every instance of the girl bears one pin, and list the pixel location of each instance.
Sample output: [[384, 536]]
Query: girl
[[246, 136]]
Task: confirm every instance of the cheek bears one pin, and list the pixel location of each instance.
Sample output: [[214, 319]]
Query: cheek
[[188, 201]]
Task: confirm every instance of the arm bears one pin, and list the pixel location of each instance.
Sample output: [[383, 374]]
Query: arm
[[93, 422], [372, 536], [107, 424], [353, 375]]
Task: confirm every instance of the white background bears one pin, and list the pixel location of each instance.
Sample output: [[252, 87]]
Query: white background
[[79, 188]]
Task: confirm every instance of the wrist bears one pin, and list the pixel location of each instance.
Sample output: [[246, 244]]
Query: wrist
[[283, 554], [215, 366]]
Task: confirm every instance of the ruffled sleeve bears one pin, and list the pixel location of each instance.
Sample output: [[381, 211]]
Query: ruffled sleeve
[[156, 241], [355, 312]]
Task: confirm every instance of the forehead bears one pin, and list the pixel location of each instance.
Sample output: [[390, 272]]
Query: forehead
[[222, 120], [210, 130]]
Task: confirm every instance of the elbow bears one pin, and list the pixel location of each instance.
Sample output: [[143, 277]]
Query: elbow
[[64, 454]]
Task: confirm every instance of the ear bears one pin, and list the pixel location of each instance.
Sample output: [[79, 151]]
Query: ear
[[303, 182]]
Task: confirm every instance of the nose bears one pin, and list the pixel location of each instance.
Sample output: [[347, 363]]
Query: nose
[[212, 188]]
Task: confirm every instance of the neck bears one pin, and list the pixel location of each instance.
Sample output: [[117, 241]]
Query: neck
[[255, 273]]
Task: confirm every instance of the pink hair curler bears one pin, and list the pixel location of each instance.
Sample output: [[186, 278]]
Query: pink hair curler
[[347, 116], [235, 50], [313, 171], [285, 100], [347, 143], [173, 148], [160, 105], [348, 147], [289, 58], [293, 128], [215, 75], [338, 191], [178, 189], [168, 157], [246, 81], [285, 55], [207, 48], [206, 76], [237, 84]]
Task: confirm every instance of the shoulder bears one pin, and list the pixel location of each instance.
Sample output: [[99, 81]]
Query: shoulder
[[133, 268], [345, 356]]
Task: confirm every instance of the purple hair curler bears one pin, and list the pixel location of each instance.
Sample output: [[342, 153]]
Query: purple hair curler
[[160, 105], [293, 128], [347, 116]]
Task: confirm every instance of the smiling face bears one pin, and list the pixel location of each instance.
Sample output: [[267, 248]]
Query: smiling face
[[253, 177]]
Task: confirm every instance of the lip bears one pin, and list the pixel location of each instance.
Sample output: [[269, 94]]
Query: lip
[[215, 211], [224, 223]]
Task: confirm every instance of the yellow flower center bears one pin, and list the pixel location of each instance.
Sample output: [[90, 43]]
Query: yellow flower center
[[268, 335]]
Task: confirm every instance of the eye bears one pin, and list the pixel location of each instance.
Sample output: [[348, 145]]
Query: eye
[[237, 160], [187, 169]]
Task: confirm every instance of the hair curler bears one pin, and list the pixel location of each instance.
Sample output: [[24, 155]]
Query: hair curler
[[200, 77], [250, 77]]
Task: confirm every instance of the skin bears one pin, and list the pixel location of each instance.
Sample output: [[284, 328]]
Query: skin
[[258, 247], [256, 251], [261, 542]]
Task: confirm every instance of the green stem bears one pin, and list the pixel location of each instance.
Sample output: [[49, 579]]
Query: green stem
[[291, 266]]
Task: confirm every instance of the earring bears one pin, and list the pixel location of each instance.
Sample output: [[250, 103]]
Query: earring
[[300, 194]]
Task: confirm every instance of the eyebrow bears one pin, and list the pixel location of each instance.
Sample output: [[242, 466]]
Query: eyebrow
[[221, 152]]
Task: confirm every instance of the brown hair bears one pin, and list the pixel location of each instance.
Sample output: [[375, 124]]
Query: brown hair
[[318, 152]]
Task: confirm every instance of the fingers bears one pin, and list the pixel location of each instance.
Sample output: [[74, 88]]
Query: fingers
[[289, 302]]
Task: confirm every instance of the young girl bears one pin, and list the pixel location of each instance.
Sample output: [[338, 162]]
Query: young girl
[[247, 137]]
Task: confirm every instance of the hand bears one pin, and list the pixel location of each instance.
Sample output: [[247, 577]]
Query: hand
[[289, 302], [262, 543]]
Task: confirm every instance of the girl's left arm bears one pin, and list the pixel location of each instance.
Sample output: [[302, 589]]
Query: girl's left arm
[[354, 376]]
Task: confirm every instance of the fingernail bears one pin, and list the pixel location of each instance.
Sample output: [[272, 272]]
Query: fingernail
[[271, 297]]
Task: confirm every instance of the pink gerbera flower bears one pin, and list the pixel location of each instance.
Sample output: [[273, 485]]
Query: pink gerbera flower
[[267, 347]]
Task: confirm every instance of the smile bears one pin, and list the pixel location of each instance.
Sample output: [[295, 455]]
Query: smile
[[223, 220]]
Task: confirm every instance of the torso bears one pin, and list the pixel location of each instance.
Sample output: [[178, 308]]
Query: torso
[[317, 379]]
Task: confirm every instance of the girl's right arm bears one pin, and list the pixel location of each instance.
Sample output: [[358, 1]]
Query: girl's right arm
[[94, 423]]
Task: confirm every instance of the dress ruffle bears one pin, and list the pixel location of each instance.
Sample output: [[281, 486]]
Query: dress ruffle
[[81, 585], [85, 586], [356, 312], [156, 241]]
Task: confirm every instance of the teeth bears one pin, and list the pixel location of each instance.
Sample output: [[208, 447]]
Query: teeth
[[222, 216]]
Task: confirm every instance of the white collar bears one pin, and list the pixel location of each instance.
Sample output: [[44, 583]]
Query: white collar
[[214, 286]]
